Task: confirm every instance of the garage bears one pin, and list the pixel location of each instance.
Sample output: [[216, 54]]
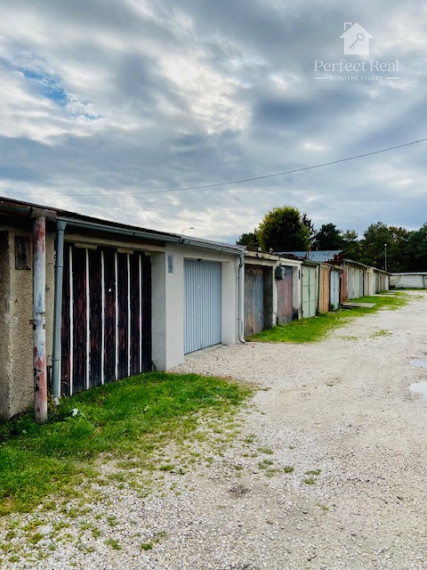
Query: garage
[[285, 295], [308, 292], [203, 304], [106, 316]]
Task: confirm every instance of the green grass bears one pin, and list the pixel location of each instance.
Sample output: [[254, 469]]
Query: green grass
[[130, 419], [317, 328]]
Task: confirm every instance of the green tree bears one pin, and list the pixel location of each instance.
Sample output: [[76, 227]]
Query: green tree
[[416, 252], [283, 229], [351, 245], [380, 241], [249, 240], [310, 226], [328, 237]]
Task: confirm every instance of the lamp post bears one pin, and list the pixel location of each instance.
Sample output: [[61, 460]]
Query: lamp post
[[190, 228], [385, 257]]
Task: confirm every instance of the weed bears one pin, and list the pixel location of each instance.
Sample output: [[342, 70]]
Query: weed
[[249, 439], [167, 467], [113, 543], [288, 469], [315, 472], [380, 333], [265, 450], [158, 537], [310, 481], [265, 463], [324, 508]]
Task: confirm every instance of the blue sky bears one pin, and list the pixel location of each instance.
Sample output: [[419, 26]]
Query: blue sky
[[112, 108]]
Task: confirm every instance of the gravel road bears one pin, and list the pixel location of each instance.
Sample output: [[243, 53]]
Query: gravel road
[[328, 470]]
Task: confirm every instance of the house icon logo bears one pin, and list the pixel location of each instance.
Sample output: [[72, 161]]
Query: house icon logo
[[356, 39]]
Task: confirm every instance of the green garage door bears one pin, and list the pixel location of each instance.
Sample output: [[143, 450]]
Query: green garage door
[[308, 292]]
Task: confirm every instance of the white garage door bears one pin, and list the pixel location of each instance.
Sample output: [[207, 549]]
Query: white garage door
[[203, 284]]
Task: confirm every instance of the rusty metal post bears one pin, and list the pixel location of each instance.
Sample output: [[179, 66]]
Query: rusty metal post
[[39, 318]]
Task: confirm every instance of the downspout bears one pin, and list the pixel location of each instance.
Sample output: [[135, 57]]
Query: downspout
[[39, 318], [240, 298], [59, 271]]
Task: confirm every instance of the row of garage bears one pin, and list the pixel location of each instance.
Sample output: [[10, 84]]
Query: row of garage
[[280, 288], [115, 300]]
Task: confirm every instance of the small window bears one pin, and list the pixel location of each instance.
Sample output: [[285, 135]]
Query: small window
[[22, 252]]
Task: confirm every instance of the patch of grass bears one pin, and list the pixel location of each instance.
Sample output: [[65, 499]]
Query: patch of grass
[[266, 450], [310, 480], [315, 472], [380, 333], [288, 469], [312, 474], [316, 328], [265, 463], [156, 539], [113, 543], [127, 419]]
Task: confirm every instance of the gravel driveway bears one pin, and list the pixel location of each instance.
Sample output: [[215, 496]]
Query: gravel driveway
[[328, 470]]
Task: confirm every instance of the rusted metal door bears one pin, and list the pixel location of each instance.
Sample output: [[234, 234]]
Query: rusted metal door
[[254, 299], [344, 285], [308, 292], [106, 317], [203, 306], [284, 297]]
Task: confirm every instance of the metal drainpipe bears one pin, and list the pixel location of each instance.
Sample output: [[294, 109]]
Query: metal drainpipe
[[39, 318], [240, 309], [59, 271]]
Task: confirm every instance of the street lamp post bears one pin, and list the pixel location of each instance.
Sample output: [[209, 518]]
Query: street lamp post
[[190, 228], [385, 257]]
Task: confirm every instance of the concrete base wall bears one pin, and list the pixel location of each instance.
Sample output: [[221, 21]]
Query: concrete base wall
[[409, 281], [16, 313]]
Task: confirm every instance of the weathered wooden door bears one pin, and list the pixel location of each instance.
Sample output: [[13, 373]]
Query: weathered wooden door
[[324, 293], [254, 299], [106, 317], [285, 297]]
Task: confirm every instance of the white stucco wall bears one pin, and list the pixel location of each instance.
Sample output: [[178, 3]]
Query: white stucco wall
[[168, 301], [409, 280]]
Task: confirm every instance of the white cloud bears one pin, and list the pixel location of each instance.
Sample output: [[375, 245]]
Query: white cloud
[[147, 96]]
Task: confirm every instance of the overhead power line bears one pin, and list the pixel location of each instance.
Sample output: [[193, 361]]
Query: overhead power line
[[252, 179]]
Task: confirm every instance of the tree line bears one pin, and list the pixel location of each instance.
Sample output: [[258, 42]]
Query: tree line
[[286, 229]]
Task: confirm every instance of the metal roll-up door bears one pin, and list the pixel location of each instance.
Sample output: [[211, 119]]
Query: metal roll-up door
[[203, 304]]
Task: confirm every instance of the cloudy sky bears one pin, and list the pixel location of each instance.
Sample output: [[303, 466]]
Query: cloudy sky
[[139, 110]]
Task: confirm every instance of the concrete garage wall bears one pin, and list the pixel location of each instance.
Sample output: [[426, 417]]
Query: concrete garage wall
[[16, 312], [409, 280]]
